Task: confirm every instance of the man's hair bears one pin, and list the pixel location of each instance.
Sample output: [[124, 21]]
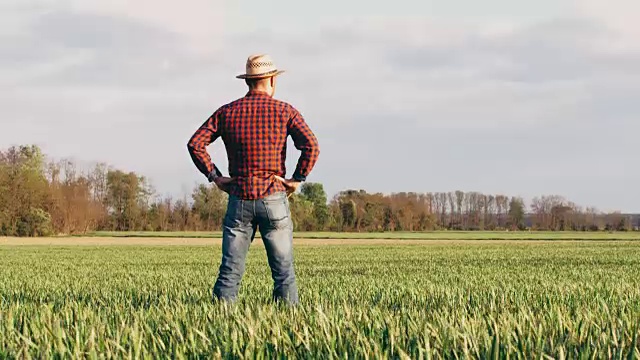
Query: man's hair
[[253, 83]]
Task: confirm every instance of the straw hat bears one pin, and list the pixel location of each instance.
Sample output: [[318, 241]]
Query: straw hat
[[260, 67]]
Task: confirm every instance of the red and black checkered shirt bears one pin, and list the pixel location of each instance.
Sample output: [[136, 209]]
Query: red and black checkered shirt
[[254, 130]]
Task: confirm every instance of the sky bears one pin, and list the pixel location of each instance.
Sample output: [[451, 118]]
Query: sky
[[507, 97]]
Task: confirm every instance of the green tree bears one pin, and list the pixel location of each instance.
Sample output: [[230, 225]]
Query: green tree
[[124, 194], [25, 200], [36, 222], [516, 213], [209, 203], [315, 194], [302, 213], [335, 217], [373, 218], [348, 210]]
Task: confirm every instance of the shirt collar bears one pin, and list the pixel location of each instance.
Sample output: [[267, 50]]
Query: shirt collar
[[256, 93]]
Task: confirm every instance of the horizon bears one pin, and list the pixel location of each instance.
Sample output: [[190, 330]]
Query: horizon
[[500, 98]]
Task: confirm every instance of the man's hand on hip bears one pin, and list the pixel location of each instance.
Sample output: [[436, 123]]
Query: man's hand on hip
[[223, 183], [290, 184]]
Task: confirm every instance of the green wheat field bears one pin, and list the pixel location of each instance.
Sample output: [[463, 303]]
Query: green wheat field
[[433, 299], [434, 235]]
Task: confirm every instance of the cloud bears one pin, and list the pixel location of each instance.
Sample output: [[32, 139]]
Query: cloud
[[409, 103], [530, 110], [621, 15], [201, 22]]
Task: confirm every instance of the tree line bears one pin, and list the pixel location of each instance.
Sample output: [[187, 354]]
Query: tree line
[[39, 197]]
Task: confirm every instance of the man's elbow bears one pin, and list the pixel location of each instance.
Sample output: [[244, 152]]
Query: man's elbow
[[192, 145], [314, 149]]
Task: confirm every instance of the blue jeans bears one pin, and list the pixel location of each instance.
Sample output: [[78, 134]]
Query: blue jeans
[[273, 217]]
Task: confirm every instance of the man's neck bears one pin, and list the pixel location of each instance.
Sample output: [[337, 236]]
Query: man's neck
[[261, 90]]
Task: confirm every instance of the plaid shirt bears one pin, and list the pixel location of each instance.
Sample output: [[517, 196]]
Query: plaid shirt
[[254, 130]]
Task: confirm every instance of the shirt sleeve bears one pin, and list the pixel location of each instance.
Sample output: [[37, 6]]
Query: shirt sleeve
[[305, 141], [197, 145]]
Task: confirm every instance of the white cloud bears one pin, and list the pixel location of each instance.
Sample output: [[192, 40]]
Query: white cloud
[[201, 21]]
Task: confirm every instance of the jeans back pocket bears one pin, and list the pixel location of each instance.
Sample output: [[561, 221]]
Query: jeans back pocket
[[278, 212]]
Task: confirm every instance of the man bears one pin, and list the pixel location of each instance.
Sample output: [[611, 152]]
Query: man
[[254, 130]]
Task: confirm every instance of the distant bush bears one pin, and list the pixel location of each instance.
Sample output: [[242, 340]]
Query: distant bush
[[35, 223]]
